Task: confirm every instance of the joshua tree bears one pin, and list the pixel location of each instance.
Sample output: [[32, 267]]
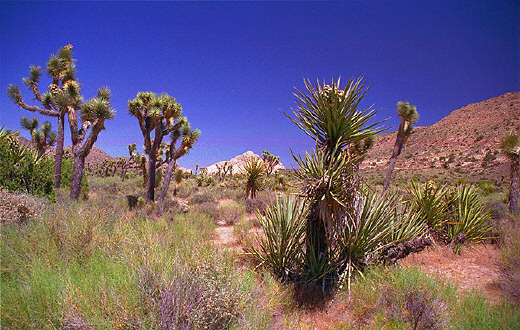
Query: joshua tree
[[42, 138], [270, 161], [330, 116], [54, 102], [138, 160], [409, 116], [93, 114], [160, 114], [189, 137], [254, 169], [511, 148]]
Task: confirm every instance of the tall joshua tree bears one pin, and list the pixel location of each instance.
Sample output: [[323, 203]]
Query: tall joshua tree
[[188, 138], [330, 116], [61, 69], [270, 161], [510, 146], [409, 116], [93, 114], [160, 114], [42, 138]]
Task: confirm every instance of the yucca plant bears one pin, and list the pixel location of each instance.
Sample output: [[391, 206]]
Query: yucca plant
[[254, 169], [281, 250], [429, 201], [469, 215], [327, 177], [381, 221]]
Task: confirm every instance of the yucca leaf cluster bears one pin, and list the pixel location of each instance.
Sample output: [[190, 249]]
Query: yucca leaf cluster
[[450, 211]]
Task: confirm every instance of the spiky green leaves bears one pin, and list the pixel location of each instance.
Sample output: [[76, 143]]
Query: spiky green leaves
[[98, 108], [254, 169], [14, 94], [510, 145], [330, 115], [148, 104], [29, 124], [34, 76], [62, 64], [408, 112]]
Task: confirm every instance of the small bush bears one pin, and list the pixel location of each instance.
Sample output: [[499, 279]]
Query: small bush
[[254, 205], [18, 208], [201, 198], [230, 212]]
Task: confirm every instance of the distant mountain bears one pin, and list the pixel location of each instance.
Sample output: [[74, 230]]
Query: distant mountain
[[238, 162], [467, 140]]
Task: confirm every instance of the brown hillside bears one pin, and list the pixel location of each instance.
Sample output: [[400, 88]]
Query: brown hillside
[[466, 141]]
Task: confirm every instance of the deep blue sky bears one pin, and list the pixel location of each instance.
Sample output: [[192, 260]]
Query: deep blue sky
[[233, 65]]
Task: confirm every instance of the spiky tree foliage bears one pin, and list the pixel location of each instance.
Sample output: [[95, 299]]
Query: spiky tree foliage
[[42, 138], [92, 117], [409, 116], [63, 91], [510, 146], [270, 161], [255, 170], [159, 114], [188, 138], [330, 115]]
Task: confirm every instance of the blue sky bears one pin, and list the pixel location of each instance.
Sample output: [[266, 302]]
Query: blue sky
[[233, 65]]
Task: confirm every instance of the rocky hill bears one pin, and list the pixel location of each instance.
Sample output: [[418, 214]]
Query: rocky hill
[[238, 163], [466, 141]]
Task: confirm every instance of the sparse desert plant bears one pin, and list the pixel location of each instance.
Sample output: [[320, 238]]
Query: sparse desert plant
[[510, 146], [201, 198], [409, 116], [230, 212], [254, 205], [254, 169]]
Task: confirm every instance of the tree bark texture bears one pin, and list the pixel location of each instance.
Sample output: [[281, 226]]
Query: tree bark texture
[[316, 239], [172, 165], [398, 147], [151, 177], [58, 156], [77, 176]]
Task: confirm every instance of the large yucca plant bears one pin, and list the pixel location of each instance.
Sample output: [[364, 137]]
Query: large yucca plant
[[282, 248]]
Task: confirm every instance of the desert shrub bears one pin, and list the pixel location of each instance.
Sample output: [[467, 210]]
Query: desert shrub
[[22, 170], [510, 260], [254, 205], [230, 212], [404, 298], [201, 198], [67, 166], [18, 208], [208, 208], [428, 201]]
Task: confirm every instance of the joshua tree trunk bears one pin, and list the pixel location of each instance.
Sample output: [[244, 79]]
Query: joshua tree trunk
[[166, 184], [123, 171], [151, 178], [398, 147], [58, 156], [513, 190], [77, 176]]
